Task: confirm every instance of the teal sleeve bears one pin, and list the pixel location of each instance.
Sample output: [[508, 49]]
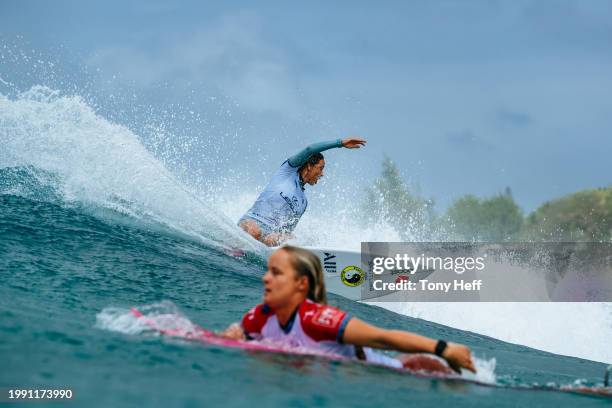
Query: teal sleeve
[[340, 335], [298, 159]]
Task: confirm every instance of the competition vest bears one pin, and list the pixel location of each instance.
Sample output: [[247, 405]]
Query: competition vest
[[314, 326], [282, 203]]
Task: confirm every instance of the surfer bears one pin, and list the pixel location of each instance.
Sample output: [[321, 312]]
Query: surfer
[[277, 210], [295, 312]]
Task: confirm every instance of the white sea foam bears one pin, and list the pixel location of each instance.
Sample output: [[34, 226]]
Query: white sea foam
[[120, 320], [165, 316], [104, 165]]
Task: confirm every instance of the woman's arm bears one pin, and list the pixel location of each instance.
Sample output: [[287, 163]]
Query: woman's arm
[[298, 159], [360, 333]]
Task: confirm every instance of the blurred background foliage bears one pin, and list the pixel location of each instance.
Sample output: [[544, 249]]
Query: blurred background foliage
[[581, 216]]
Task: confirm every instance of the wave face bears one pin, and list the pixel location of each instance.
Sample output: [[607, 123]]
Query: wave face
[[101, 165], [90, 219]]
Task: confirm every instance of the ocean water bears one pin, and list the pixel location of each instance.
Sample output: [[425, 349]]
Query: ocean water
[[91, 223], [64, 269]]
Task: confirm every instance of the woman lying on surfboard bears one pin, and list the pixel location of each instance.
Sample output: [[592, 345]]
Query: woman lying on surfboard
[[295, 312], [279, 207]]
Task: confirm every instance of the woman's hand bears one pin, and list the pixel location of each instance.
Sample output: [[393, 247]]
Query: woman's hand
[[458, 356], [353, 143], [233, 332]]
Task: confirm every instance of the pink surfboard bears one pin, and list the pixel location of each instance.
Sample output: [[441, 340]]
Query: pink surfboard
[[419, 364], [422, 366]]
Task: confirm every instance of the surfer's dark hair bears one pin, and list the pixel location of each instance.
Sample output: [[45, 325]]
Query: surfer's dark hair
[[308, 264], [312, 160]]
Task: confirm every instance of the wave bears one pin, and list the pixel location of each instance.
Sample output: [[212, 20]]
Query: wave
[[79, 157]]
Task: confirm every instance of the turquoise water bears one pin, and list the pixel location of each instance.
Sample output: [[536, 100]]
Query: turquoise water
[[63, 263]]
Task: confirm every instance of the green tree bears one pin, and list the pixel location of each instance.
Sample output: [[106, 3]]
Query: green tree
[[581, 216], [391, 200], [498, 218]]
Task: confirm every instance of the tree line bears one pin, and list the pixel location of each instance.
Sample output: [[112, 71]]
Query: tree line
[[581, 216]]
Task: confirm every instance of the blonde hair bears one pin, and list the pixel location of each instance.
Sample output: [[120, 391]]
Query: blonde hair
[[308, 264]]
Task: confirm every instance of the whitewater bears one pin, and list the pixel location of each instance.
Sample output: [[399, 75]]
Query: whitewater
[[88, 162]]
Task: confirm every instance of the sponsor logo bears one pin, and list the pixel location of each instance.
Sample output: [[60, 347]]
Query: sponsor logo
[[329, 262], [352, 276], [328, 317]]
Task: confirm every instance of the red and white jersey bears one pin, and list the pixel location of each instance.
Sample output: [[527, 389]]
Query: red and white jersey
[[314, 326]]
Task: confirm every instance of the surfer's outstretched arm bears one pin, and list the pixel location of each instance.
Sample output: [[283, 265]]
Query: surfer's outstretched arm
[[360, 333], [298, 159]]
